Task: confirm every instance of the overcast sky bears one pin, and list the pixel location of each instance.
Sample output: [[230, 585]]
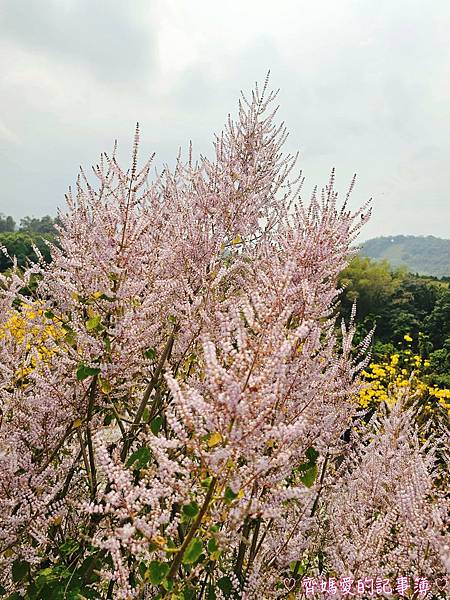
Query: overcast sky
[[364, 87]]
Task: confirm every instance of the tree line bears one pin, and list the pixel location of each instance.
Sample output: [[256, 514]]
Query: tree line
[[19, 241], [396, 303]]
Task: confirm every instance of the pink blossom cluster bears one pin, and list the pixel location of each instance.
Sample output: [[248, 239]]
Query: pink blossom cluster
[[193, 427]]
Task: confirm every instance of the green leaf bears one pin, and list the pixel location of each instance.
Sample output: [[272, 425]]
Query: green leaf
[[142, 570], [49, 314], [47, 575], [229, 495], [193, 551], [69, 547], [211, 594], [171, 544], [167, 584], [105, 386], [102, 296], [157, 571], [75, 594], [225, 585], [83, 371], [156, 424], [312, 455], [140, 458], [150, 353], [93, 323], [212, 545], [206, 482], [298, 569], [191, 510], [19, 570], [70, 338], [90, 565], [188, 593], [309, 477]]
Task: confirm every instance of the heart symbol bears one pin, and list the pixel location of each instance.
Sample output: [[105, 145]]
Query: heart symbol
[[441, 583], [289, 583]]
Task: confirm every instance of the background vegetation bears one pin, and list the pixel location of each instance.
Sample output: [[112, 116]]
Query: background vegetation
[[20, 242], [398, 304]]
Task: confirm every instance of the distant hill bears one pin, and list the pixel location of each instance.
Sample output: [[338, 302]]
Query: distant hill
[[425, 255]]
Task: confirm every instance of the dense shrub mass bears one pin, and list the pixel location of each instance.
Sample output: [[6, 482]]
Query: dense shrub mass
[[180, 418]]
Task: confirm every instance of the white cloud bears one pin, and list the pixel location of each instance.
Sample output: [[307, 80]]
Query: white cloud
[[364, 87]]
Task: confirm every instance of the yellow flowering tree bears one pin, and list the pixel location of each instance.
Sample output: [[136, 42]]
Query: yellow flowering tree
[[402, 369], [37, 332]]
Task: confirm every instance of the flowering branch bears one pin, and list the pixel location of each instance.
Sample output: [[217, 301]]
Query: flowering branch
[[175, 394]]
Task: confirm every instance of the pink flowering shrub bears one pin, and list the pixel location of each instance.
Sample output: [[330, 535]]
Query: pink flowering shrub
[[193, 432]]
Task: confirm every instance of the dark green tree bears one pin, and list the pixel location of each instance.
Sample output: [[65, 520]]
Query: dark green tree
[[44, 224], [7, 224], [19, 244]]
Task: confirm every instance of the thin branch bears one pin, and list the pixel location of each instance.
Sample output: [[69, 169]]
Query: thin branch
[[90, 445], [145, 398], [195, 525], [86, 462]]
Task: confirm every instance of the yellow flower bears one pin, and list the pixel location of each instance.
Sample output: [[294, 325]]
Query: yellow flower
[[395, 372], [29, 323], [394, 359], [407, 338]]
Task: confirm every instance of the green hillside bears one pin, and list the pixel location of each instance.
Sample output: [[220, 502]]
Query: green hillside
[[425, 255]]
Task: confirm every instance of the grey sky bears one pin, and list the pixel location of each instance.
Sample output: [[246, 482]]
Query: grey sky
[[365, 87]]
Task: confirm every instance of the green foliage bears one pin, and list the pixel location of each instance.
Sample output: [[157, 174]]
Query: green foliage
[[370, 284], [20, 570], [94, 323], [156, 425], [157, 572], [225, 585], [309, 468], [83, 371], [139, 459], [397, 303], [191, 510], [193, 551], [20, 244], [45, 225], [440, 366], [150, 353], [65, 580], [229, 495]]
